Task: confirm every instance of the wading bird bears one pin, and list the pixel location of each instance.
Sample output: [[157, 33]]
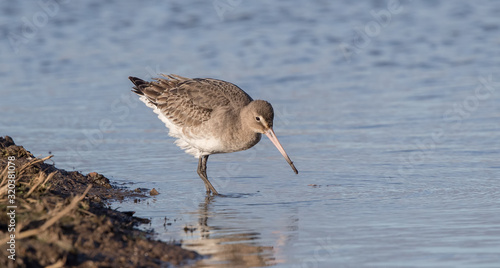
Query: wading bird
[[208, 116]]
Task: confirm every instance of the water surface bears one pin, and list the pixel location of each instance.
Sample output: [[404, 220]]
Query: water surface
[[393, 123]]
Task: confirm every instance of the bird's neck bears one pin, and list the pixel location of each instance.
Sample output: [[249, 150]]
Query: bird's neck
[[246, 134], [243, 124]]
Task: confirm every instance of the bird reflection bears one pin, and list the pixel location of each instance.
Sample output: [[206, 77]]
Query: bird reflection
[[227, 247]]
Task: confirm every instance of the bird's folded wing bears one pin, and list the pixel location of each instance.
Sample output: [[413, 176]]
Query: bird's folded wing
[[191, 101]]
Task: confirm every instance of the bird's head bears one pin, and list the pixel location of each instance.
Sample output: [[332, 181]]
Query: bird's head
[[258, 115]]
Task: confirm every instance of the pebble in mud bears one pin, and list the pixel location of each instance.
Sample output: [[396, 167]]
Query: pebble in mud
[[154, 192]]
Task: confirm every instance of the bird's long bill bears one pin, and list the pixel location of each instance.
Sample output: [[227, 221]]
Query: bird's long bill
[[270, 134]]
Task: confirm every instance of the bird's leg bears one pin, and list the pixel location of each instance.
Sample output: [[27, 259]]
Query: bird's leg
[[202, 171]]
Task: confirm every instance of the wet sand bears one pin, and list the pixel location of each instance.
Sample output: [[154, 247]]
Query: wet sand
[[62, 222]]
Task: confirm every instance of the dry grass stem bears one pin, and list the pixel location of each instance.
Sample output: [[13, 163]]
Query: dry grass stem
[[33, 162], [52, 220], [40, 180]]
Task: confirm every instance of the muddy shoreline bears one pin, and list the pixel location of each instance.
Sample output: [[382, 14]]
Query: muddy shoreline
[[62, 222]]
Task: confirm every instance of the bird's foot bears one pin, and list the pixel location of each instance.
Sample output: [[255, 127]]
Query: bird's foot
[[211, 193]]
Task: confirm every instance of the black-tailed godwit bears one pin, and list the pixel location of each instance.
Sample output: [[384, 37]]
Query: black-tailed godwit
[[208, 116]]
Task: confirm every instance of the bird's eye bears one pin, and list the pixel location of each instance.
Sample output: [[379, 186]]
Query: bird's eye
[[257, 118]]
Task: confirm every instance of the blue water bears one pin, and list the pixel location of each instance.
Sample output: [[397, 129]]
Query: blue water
[[389, 109]]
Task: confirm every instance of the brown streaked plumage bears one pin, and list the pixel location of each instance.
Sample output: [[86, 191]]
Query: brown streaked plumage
[[208, 116]]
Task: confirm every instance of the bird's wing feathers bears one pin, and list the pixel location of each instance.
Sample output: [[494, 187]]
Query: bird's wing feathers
[[188, 101]]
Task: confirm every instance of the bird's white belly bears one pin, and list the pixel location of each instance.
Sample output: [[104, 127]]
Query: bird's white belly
[[196, 145], [206, 145]]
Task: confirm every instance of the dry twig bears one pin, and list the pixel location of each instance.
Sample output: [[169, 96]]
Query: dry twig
[[52, 220], [40, 180]]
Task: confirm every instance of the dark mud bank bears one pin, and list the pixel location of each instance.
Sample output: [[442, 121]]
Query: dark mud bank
[[62, 222]]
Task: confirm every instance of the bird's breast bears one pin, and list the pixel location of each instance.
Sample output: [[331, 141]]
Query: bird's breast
[[224, 140], [248, 141]]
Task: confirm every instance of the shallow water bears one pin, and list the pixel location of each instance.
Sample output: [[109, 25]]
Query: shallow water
[[394, 125]]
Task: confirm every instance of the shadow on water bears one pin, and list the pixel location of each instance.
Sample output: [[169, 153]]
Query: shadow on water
[[236, 195], [226, 247]]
